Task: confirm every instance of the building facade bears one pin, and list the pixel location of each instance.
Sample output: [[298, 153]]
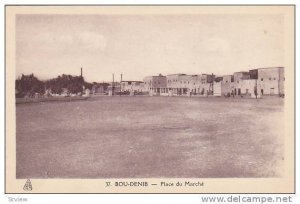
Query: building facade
[[100, 88], [155, 85], [223, 85], [133, 86], [177, 84], [254, 83], [182, 84], [271, 81], [238, 78], [113, 88]]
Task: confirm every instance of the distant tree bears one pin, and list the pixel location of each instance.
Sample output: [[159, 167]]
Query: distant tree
[[88, 85], [74, 88], [29, 85], [74, 84]]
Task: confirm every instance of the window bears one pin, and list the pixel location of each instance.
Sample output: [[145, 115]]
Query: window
[[274, 78], [270, 78], [262, 79]]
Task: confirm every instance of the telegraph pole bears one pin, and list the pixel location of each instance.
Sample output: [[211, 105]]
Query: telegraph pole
[[121, 85], [113, 84]]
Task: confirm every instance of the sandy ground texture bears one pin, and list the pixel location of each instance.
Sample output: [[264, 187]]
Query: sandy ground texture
[[151, 137]]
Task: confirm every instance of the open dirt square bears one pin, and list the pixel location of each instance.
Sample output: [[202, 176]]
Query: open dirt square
[[151, 137]]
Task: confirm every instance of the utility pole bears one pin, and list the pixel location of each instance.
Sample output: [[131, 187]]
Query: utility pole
[[113, 84], [212, 84], [121, 85], [82, 82], [278, 81]]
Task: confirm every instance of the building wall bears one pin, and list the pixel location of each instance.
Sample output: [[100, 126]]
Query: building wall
[[202, 84], [174, 80], [270, 81], [217, 88], [136, 86], [238, 77], [248, 87], [205, 84], [199, 85], [177, 84], [114, 86], [227, 85], [155, 85], [148, 83], [100, 88], [281, 80], [182, 84]]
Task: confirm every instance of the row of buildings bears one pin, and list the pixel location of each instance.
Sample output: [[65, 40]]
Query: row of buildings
[[254, 83]]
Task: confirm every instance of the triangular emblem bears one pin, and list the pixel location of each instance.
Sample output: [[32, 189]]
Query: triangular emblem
[[27, 186]]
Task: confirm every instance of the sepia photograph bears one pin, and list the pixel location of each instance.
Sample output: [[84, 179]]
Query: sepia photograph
[[153, 95]]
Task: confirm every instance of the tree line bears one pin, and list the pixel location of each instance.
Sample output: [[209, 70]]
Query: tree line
[[29, 85]]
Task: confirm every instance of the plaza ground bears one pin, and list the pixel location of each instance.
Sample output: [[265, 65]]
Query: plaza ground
[[145, 137]]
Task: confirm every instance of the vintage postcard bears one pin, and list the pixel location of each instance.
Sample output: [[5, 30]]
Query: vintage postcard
[[149, 99]]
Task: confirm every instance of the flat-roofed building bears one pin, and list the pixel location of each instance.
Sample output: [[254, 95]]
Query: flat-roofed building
[[178, 84], [271, 81], [133, 86], [223, 85], [182, 84], [100, 88], [255, 82], [113, 88], [156, 85], [238, 77], [206, 86], [248, 87]]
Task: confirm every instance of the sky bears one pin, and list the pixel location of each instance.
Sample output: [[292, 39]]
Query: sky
[[145, 45]]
